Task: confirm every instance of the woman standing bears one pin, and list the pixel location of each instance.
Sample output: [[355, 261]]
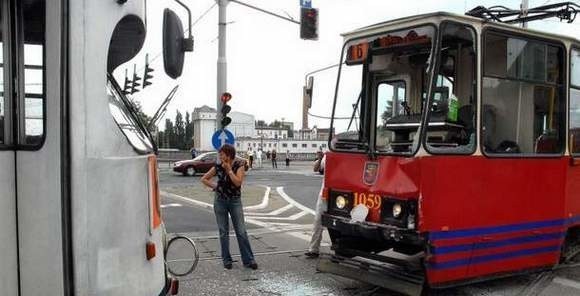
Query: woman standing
[[228, 201]]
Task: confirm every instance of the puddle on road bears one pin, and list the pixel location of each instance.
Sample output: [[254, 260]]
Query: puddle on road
[[273, 284]]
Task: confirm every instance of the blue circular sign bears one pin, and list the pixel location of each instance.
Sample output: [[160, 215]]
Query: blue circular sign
[[221, 137]]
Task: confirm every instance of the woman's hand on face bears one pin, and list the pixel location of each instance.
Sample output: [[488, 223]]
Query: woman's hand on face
[[227, 166]]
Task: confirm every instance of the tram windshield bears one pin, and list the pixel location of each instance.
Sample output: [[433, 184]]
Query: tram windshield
[[389, 101], [124, 114]]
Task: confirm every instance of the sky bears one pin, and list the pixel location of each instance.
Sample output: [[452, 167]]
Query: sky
[[267, 61]]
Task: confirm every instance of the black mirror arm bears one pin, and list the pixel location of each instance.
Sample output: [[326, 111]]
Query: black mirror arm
[[187, 45]]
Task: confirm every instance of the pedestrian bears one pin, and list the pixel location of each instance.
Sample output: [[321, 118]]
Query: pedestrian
[[274, 162], [314, 245], [287, 158], [251, 157], [259, 157], [228, 201], [193, 152], [268, 155]]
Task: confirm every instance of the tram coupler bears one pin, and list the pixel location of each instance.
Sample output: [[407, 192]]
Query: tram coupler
[[388, 276]]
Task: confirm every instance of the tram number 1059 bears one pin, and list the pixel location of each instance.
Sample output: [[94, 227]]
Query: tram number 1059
[[370, 200]]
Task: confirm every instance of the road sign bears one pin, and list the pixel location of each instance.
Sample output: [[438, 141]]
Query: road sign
[[221, 137], [306, 3]]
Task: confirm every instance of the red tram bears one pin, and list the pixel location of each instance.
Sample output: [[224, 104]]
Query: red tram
[[460, 137]]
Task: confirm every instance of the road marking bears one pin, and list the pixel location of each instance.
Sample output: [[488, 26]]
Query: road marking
[[567, 282], [285, 196], [272, 213], [171, 205], [290, 218], [188, 200], [264, 202]]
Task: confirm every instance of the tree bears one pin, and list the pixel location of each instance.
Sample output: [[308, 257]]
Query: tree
[[261, 123], [179, 130], [170, 138], [188, 141], [144, 118]]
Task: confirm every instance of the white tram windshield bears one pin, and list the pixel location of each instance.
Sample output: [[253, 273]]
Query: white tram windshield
[[390, 70], [124, 114]]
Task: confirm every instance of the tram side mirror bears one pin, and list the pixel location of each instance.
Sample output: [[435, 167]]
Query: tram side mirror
[[174, 44]]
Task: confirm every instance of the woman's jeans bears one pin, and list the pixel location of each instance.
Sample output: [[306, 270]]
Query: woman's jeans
[[232, 206]]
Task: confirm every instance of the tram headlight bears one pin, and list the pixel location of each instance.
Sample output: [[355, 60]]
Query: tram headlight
[[341, 202], [397, 210]]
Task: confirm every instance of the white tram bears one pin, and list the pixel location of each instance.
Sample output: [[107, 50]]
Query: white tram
[[79, 202]]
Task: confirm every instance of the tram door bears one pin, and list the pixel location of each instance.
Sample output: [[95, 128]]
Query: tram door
[[31, 171]]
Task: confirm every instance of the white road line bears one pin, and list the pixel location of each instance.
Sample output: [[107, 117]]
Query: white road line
[[285, 196], [171, 205], [248, 220], [272, 213], [264, 202], [289, 218], [188, 200], [567, 282]]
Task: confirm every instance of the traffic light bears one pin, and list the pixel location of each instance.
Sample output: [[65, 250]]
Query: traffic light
[[127, 86], [226, 97], [147, 76], [309, 23], [136, 79]]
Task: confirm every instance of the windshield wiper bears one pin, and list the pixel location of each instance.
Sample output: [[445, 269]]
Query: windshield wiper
[[354, 108]]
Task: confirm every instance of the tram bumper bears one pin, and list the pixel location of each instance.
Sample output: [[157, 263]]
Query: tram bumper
[[392, 277], [387, 269], [372, 231]]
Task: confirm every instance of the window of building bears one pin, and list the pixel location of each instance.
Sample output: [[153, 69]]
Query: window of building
[[323, 145], [314, 145], [522, 96], [284, 145], [269, 144], [294, 145], [304, 145]]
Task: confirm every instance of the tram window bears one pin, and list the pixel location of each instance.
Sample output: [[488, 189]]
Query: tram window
[[391, 97], [522, 96], [575, 66], [34, 90], [2, 90], [451, 124], [127, 122], [575, 102]]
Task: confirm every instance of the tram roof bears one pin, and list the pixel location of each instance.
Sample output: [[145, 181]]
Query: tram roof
[[437, 16]]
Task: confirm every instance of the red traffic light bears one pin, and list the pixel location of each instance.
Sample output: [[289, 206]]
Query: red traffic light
[[226, 97]]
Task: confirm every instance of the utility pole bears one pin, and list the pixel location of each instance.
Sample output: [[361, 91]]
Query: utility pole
[[524, 8], [222, 64]]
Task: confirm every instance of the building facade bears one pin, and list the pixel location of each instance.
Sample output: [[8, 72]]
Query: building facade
[[204, 125]]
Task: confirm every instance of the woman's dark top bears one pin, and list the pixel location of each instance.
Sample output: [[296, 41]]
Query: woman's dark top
[[225, 187]]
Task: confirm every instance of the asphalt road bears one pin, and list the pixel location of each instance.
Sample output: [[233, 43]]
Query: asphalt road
[[279, 230]]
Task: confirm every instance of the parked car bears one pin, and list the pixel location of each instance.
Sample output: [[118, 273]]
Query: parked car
[[201, 164]]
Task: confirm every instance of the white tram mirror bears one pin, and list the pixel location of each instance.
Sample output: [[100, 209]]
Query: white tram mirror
[[174, 44]]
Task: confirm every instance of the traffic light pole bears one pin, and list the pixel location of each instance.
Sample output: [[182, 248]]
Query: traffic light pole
[[222, 64]]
